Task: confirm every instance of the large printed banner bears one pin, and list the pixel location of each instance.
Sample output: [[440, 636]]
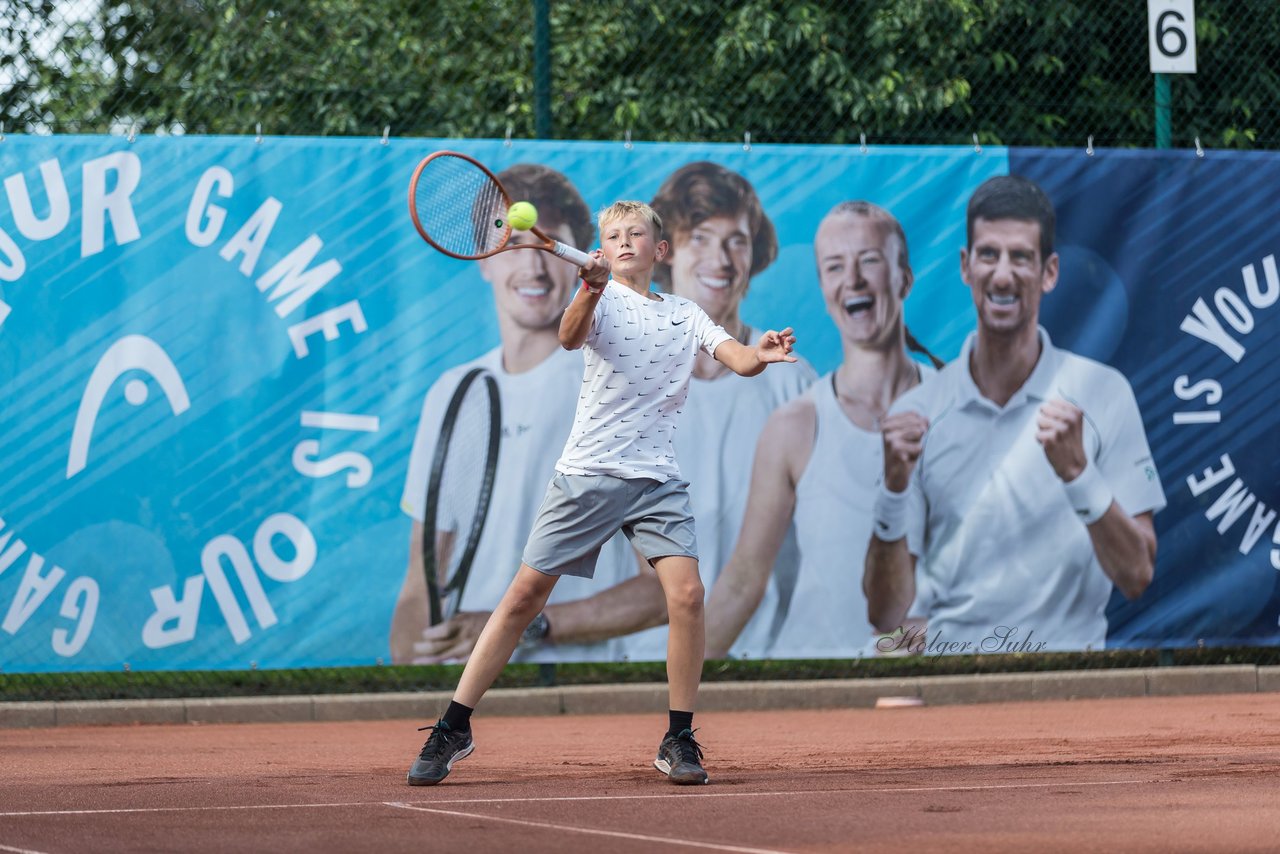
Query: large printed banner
[[225, 363]]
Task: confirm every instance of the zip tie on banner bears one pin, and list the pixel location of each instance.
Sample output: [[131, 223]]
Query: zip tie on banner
[[507, 141], [1, 131], [746, 140], [1199, 149], [133, 132], [862, 143], [1088, 149], [626, 143], [977, 146], [258, 138], [386, 132]]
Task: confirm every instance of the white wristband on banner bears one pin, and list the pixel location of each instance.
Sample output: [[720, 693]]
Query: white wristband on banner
[[890, 515], [1089, 495]]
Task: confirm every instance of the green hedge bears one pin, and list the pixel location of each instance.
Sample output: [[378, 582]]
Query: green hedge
[[351, 680]]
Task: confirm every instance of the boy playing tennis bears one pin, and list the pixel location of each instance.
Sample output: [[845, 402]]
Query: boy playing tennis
[[617, 472]]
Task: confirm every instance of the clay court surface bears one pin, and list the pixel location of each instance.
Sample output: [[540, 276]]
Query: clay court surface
[[1141, 774]]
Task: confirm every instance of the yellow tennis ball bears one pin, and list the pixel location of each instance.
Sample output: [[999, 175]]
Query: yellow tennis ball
[[522, 216]]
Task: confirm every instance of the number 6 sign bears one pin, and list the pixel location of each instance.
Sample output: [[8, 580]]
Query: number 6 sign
[[1171, 30]]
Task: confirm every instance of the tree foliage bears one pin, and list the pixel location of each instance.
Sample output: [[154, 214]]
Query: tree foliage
[[1013, 71]]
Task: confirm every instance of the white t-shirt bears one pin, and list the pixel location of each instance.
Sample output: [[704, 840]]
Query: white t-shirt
[[639, 357], [827, 616], [715, 443], [536, 415], [988, 516]]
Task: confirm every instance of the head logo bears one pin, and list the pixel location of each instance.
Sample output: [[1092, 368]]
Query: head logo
[[131, 353]]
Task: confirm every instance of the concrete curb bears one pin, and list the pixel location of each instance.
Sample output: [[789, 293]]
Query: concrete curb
[[645, 697]]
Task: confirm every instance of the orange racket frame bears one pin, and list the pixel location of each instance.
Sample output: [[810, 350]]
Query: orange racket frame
[[503, 244]]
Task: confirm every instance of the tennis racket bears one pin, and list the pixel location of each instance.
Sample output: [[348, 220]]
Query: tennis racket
[[460, 208], [459, 489]]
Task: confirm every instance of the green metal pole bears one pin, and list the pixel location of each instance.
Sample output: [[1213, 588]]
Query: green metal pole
[[1164, 112], [542, 68]]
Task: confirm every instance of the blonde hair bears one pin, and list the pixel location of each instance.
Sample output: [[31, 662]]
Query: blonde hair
[[622, 209]]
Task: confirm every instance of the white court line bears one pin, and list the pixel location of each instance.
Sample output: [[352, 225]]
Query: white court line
[[638, 837], [133, 810], [890, 790], [684, 796], [19, 850]]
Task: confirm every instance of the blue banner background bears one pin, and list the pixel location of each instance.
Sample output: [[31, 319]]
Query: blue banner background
[[1142, 236]]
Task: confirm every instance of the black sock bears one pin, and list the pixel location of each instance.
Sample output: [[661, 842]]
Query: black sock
[[680, 721], [457, 717]]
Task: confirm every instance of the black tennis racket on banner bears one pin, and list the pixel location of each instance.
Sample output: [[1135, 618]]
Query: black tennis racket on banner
[[460, 208], [459, 489]]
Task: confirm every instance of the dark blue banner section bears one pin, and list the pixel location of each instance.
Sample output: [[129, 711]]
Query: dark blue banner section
[[1169, 274]]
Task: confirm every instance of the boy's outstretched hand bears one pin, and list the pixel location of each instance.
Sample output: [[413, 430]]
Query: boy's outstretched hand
[[776, 346], [597, 273]]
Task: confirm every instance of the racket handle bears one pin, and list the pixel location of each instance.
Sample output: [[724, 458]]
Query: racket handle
[[570, 254]]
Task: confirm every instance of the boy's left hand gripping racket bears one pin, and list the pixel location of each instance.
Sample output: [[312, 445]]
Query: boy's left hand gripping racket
[[460, 208], [459, 489]]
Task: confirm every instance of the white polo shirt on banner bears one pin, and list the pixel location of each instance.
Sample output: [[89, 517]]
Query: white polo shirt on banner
[[537, 411], [639, 357], [988, 517], [835, 496]]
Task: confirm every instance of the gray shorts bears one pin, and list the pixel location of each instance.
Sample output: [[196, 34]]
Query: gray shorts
[[581, 512]]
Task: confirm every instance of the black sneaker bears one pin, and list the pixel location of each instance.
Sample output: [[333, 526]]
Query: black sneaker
[[680, 758], [443, 748]]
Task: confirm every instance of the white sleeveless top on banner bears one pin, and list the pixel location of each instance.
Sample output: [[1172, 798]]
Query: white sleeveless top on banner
[[827, 617]]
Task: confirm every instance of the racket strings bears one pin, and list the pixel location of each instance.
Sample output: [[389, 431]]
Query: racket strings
[[460, 207]]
